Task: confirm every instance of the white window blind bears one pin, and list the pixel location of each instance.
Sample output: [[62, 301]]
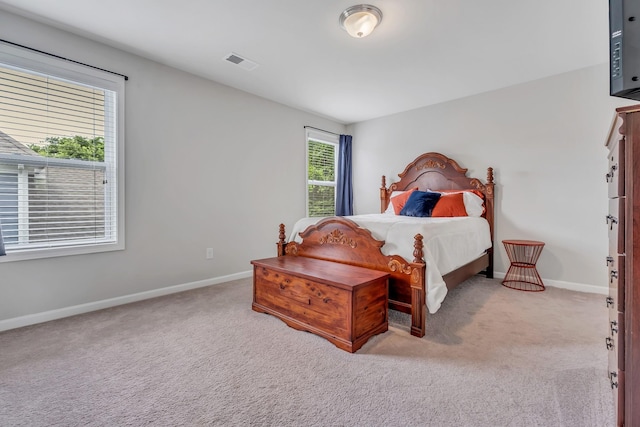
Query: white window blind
[[9, 206], [59, 156], [322, 162]]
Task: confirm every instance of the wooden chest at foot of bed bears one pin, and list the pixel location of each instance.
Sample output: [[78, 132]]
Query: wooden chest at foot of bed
[[345, 304]]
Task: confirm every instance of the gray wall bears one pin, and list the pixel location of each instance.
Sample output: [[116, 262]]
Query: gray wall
[[544, 139], [206, 166]]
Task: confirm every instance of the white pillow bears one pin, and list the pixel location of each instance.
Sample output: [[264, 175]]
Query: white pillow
[[390, 207], [473, 204]]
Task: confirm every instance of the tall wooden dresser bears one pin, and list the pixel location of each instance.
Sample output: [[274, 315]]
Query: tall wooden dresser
[[623, 261]]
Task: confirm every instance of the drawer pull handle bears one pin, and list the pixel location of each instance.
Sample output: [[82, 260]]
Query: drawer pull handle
[[614, 327], [609, 260], [612, 173], [614, 275], [609, 301], [609, 342], [611, 220], [614, 384]]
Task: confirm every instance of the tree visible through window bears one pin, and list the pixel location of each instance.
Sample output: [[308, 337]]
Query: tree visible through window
[[321, 172], [76, 147]]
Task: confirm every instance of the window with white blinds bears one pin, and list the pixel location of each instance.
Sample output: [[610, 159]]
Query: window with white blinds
[[60, 156], [322, 169]]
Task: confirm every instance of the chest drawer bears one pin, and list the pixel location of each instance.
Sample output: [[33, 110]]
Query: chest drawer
[[303, 299], [615, 173]]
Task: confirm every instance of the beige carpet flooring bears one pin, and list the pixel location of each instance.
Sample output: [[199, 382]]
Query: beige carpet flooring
[[491, 357]]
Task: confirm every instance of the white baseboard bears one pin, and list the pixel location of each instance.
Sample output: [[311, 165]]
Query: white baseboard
[[32, 319], [580, 287]]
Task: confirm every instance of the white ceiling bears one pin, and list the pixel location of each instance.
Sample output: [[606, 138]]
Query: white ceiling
[[424, 51]]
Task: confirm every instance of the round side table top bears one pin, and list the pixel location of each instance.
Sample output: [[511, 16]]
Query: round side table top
[[523, 242]]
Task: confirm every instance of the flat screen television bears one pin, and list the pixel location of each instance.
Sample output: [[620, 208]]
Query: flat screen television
[[624, 48]]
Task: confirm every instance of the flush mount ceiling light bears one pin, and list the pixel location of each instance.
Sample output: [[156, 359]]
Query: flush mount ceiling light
[[360, 20]]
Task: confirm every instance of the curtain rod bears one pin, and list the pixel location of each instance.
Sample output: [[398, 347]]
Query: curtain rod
[[63, 58], [321, 130]]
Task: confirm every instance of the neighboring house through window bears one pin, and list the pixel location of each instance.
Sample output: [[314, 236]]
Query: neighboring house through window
[[322, 162], [61, 154]]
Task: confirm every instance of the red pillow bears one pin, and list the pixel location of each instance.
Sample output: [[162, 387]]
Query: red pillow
[[450, 205], [475, 204], [400, 200]]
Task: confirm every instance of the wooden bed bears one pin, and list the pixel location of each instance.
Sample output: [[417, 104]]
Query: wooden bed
[[341, 240]]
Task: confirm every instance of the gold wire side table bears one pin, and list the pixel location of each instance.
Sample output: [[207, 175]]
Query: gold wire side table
[[522, 274]]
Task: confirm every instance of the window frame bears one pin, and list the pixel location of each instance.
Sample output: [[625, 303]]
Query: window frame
[[77, 73], [325, 138]]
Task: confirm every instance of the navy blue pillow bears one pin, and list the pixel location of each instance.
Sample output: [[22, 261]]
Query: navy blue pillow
[[420, 203]]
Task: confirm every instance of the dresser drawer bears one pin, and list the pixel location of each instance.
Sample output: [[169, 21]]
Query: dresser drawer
[[615, 340], [308, 301], [615, 173], [613, 353], [616, 282], [615, 223], [617, 380]]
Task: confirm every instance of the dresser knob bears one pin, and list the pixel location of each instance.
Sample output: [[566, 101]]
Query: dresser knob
[[609, 260], [609, 301], [611, 220], [614, 327], [609, 342], [614, 275]]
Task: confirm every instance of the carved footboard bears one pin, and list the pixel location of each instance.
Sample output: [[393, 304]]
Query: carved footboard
[[341, 240]]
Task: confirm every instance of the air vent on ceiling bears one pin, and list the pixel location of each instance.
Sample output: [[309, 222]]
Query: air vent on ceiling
[[243, 63]]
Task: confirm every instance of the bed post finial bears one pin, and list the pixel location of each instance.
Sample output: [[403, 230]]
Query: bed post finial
[[281, 241], [490, 175], [418, 255], [384, 195]]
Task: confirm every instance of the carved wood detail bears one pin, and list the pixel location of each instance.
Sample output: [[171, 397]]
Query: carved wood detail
[[291, 248], [337, 237], [418, 246], [395, 265], [431, 164], [281, 240]]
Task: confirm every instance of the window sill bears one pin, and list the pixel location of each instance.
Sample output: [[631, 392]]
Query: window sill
[[59, 252]]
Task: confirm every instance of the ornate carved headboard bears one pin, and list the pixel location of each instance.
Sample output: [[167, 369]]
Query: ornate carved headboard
[[435, 171]]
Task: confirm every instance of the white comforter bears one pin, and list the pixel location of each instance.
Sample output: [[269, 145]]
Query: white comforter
[[449, 243]]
